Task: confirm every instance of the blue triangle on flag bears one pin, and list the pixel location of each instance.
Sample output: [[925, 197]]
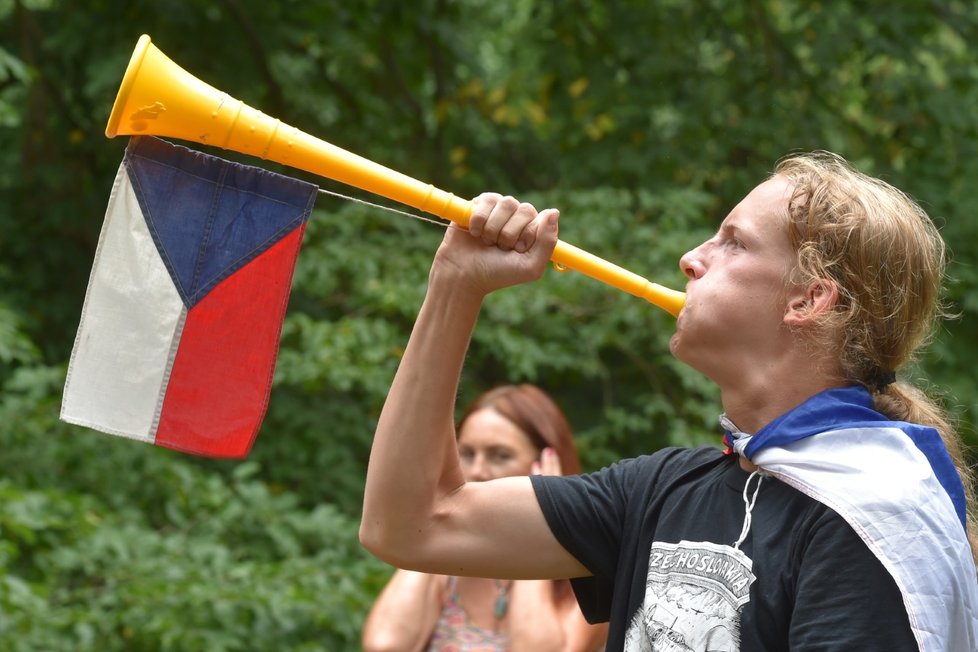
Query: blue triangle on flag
[[208, 216]]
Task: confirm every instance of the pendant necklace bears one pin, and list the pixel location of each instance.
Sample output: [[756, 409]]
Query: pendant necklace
[[502, 600]]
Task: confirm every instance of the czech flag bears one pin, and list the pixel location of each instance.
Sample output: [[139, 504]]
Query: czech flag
[[183, 315]]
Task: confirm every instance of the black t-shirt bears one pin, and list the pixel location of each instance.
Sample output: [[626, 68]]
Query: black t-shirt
[[658, 533]]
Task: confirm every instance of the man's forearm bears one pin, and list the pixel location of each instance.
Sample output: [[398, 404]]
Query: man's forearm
[[413, 461]]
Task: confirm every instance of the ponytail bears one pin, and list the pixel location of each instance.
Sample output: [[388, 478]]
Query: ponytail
[[901, 401]]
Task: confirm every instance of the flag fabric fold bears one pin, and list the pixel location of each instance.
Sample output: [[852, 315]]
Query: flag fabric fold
[[182, 319]]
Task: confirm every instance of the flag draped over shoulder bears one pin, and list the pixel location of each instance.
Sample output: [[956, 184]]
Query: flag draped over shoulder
[[895, 484], [180, 329]]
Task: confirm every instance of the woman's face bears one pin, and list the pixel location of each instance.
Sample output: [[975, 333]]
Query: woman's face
[[491, 446]]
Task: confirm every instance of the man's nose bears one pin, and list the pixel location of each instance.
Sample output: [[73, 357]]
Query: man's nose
[[692, 263]]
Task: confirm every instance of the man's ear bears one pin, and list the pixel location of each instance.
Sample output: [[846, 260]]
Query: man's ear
[[806, 303]]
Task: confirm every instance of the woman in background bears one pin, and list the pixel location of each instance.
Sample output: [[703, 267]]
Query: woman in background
[[508, 431]]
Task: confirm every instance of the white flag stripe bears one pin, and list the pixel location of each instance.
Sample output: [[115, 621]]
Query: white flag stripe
[[129, 326]]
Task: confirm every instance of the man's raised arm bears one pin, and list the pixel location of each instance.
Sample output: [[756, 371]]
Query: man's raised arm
[[418, 512]]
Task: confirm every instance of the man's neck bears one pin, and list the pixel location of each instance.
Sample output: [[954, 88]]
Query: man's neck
[[756, 399]]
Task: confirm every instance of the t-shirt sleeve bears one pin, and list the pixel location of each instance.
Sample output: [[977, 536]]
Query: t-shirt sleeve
[[598, 517], [594, 504], [591, 514]]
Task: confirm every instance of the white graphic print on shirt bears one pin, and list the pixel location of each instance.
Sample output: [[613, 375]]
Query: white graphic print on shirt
[[693, 597]]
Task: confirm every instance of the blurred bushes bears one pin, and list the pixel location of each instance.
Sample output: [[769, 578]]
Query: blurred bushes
[[643, 122]]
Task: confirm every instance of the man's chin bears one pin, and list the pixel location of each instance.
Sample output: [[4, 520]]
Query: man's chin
[[675, 345], [682, 347]]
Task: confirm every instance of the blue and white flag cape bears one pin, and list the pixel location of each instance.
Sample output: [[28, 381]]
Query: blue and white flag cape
[[180, 330], [896, 485]]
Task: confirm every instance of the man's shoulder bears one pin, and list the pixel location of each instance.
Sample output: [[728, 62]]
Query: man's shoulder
[[646, 473], [679, 456]]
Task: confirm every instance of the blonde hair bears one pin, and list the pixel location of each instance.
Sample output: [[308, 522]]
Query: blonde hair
[[888, 261]]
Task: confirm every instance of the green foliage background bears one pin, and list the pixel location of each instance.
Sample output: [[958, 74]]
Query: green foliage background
[[644, 122]]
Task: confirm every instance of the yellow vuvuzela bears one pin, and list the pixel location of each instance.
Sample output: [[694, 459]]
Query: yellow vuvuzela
[[157, 97]]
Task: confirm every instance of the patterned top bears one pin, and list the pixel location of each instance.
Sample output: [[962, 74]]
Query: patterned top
[[455, 633]]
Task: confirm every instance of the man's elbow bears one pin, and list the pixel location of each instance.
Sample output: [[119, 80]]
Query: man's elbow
[[371, 538], [385, 545]]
